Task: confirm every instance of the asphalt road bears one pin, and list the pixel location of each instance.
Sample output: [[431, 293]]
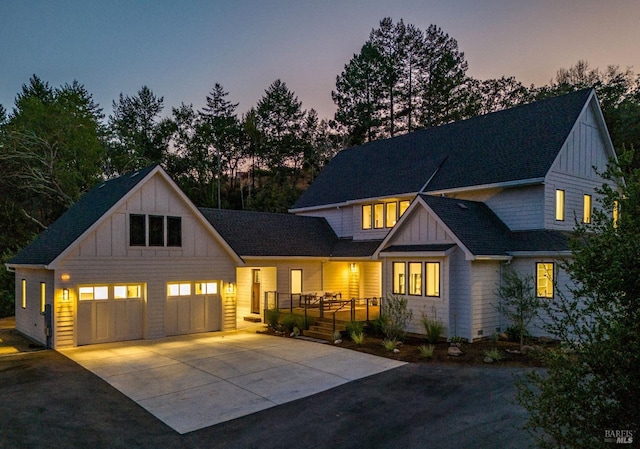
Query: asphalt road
[[48, 401]]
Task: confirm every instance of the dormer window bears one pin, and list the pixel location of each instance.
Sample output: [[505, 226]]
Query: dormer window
[[383, 215], [155, 230], [586, 205]]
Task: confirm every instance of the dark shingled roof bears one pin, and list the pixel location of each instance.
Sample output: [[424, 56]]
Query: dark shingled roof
[[511, 145], [268, 234], [77, 219], [484, 234]]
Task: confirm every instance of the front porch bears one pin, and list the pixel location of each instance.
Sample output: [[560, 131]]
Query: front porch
[[324, 312]]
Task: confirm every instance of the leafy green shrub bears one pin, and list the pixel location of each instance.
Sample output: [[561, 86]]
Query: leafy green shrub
[[426, 351], [390, 344], [375, 327], [432, 328], [513, 333], [396, 316], [289, 321], [355, 326], [272, 316], [495, 354], [337, 335], [357, 337]]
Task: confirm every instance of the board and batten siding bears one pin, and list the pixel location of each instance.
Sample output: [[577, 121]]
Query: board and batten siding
[[420, 228], [573, 171], [105, 257]]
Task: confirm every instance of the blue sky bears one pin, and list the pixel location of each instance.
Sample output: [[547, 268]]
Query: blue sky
[[181, 48]]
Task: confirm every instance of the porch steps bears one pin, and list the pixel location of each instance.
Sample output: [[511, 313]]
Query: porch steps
[[323, 329], [253, 319]]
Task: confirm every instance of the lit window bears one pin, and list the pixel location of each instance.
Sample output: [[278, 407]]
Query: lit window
[[398, 277], [156, 230], [94, 292], [126, 291], [404, 205], [560, 205], [544, 280], [586, 213], [392, 217], [415, 278], [616, 213], [183, 289], [206, 288], [433, 279], [43, 295], [296, 281], [24, 293], [366, 216], [137, 230], [378, 216], [174, 231]]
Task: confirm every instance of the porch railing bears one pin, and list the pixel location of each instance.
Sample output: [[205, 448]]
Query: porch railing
[[325, 304]]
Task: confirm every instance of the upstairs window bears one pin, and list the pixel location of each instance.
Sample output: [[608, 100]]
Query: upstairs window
[[156, 230], [174, 231], [391, 214], [586, 206], [137, 230], [544, 279], [378, 216], [559, 205], [404, 205], [366, 216]]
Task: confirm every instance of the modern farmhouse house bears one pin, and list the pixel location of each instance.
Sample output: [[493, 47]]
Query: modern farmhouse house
[[434, 215]]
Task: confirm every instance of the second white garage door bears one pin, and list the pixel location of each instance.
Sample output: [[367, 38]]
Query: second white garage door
[[192, 307]]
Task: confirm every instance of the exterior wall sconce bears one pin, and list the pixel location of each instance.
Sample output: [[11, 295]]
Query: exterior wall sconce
[[65, 294], [353, 267], [65, 277], [231, 288]]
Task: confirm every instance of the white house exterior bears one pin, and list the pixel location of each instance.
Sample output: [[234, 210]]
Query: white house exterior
[[433, 215]]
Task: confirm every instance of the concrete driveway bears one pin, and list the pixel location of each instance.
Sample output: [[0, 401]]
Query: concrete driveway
[[192, 382]]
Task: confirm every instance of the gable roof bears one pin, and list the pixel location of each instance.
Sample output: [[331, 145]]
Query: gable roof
[[49, 244], [479, 230], [512, 145]]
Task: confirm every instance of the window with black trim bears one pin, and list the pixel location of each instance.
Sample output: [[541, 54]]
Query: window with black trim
[[366, 216], [399, 278], [156, 230], [137, 230], [544, 279], [174, 231], [378, 216], [415, 278], [433, 278]]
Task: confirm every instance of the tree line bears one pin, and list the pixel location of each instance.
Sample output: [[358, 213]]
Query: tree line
[[56, 142]]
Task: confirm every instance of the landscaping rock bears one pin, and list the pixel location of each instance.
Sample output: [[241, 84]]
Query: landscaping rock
[[526, 349], [396, 351], [502, 336], [454, 351], [544, 339], [537, 348], [337, 342], [488, 360]]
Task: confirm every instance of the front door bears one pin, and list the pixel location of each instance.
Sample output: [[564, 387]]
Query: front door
[[255, 291]]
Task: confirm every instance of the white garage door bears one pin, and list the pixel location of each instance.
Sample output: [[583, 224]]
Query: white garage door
[[192, 307], [110, 313]]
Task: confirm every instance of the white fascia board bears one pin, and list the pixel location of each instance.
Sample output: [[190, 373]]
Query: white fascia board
[[414, 254], [496, 185], [348, 259], [28, 266], [248, 259], [373, 199], [561, 254], [501, 258]]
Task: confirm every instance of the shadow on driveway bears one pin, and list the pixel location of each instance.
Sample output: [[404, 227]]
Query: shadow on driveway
[[48, 401]]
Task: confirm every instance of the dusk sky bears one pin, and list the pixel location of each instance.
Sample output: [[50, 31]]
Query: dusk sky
[[181, 48]]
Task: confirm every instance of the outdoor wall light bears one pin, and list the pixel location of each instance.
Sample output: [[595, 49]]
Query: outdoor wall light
[[65, 277], [353, 267], [230, 287], [65, 294]]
